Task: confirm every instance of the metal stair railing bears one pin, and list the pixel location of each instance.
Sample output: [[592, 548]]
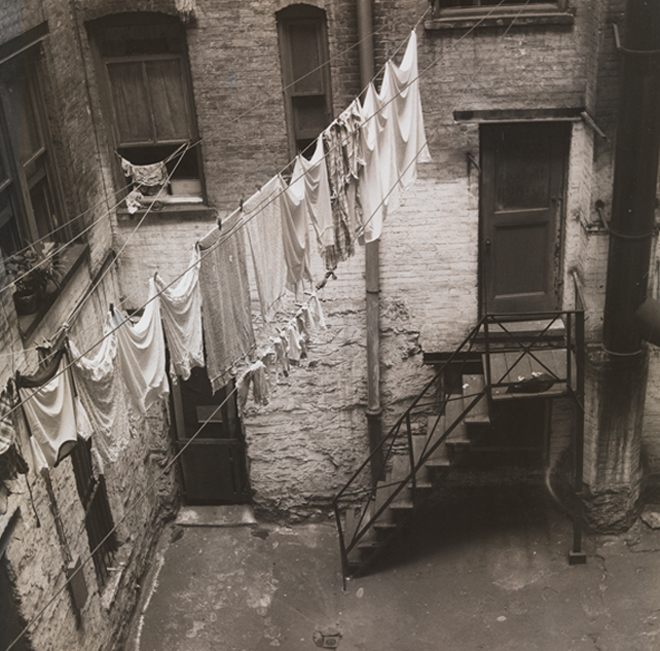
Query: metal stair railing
[[398, 440], [360, 490]]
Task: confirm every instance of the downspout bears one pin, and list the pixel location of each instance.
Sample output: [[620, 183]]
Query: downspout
[[619, 372], [372, 265]]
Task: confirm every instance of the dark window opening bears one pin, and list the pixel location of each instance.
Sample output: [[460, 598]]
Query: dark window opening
[[11, 623], [98, 517], [305, 73], [148, 101]]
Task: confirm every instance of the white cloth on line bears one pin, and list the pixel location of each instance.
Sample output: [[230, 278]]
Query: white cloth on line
[[263, 224], [295, 232], [51, 413], [226, 309], [317, 195], [141, 351], [181, 312], [393, 140], [102, 393]]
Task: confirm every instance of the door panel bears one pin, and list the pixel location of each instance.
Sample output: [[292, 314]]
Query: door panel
[[214, 465], [521, 198]]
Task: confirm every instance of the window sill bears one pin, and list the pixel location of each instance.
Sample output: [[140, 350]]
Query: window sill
[[72, 259], [466, 17], [170, 210]]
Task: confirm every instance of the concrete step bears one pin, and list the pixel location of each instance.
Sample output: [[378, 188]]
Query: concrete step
[[453, 411], [473, 385]]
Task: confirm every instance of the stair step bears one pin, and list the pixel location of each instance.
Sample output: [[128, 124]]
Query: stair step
[[453, 411], [383, 492], [473, 385], [385, 526], [402, 505], [435, 429]]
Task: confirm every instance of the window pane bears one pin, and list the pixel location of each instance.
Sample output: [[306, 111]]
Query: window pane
[[22, 118], [305, 59], [165, 79], [10, 241], [129, 98]]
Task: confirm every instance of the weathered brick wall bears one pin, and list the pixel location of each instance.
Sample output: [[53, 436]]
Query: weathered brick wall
[[429, 253], [35, 556]]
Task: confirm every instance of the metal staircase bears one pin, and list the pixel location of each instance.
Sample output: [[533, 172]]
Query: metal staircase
[[504, 358]]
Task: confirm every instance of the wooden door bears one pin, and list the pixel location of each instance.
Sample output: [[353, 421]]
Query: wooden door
[[522, 189], [214, 465]]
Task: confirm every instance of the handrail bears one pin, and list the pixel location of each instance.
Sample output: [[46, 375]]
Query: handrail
[[401, 431]]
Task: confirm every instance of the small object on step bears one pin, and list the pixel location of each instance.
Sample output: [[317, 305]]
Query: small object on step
[[651, 519], [537, 383]]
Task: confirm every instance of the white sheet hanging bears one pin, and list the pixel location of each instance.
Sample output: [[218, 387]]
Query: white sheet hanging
[[263, 223], [102, 394], [393, 140], [141, 350], [181, 311], [51, 415]]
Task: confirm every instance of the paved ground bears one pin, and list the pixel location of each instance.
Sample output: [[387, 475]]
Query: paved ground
[[488, 571]]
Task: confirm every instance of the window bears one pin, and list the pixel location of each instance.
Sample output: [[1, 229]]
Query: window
[[30, 198], [305, 73], [148, 100], [442, 4], [450, 14], [98, 518]]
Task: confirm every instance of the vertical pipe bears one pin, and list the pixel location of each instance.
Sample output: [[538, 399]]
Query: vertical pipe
[[619, 371], [372, 265], [635, 177]]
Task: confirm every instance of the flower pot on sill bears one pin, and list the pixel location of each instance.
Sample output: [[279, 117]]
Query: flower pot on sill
[[26, 303]]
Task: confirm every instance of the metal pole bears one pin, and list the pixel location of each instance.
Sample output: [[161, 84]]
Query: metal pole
[[635, 177], [372, 267]]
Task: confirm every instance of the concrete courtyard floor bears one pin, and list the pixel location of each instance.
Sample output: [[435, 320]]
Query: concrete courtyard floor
[[486, 571]]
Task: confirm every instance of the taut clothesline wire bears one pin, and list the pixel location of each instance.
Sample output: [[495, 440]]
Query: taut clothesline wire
[[169, 465]]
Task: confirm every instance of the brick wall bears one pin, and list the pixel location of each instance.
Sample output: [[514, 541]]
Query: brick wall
[[36, 558]]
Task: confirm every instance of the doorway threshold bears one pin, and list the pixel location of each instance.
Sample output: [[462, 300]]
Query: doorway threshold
[[234, 515]]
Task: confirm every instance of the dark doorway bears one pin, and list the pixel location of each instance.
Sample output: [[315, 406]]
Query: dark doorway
[[214, 465], [522, 192]]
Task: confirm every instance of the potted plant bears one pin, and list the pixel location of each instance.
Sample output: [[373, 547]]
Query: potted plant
[[35, 274]]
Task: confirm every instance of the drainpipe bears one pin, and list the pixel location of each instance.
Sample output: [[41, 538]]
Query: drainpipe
[[372, 265], [619, 372]]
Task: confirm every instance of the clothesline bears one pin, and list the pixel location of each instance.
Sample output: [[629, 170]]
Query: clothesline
[[238, 225], [375, 76], [142, 495]]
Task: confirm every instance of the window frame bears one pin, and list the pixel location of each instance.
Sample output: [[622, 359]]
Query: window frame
[[298, 15], [96, 30], [97, 513], [548, 12], [23, 177]]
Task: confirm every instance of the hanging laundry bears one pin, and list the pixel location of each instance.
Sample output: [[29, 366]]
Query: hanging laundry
[[317, 197], [260, 385], [181, 311], [11, 459], [50, 411], [295, 233], [393, 141], [301, 324], [344, 160], [227, 316], [401, 88], [243, 390], [263, 224], [376, 177], [102, 394], [316, 312], [295, 351], [149, 175], [141, 352], [281, 358]]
